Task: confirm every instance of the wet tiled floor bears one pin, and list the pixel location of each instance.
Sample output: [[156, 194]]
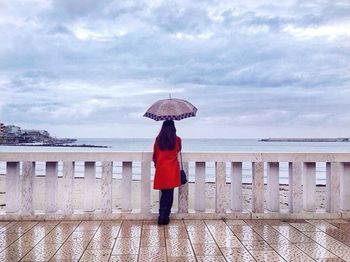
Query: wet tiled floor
[[181, 240]]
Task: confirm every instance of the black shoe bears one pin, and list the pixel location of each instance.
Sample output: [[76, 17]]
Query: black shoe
[[160, 221], [163, 221], [166, 221]]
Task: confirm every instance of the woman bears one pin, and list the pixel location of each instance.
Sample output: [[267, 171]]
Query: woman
[[165, 151]]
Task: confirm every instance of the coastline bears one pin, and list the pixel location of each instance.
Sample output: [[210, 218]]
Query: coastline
[[56, 145], [308, 140]]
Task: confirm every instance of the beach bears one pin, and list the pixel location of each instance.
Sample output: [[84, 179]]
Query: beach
[[79, 189]]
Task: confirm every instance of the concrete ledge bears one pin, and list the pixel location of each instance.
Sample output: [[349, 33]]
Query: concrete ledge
[[187, 156], [345, 215], [211, 215], [303, 215], [136, 215]]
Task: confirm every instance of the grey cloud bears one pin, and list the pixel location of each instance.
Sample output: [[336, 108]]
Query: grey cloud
[[276, 17], [242, 20], [322, 12], [78, 7], [59, 29], [172, 18]]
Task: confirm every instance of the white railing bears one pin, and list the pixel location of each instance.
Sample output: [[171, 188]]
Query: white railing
[[20, 185]]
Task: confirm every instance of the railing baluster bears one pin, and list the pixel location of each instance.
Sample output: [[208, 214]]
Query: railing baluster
[[145, 187], [344, 188], [220, 193], [89, 181], [236, 186], [273, 187], [333, 173], [28, 169], [12, 187], [295, 199], [309, 186], [258, 187], [126, 186], [106, 186], [200, 186], [51, 187], [68, 185], [183, 193]]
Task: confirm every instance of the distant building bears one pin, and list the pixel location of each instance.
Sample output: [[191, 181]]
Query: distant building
[[12, 130], [44, 133], [35, 132], [2, 129], [13, 135]]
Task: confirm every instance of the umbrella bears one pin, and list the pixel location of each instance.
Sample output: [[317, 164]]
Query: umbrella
[[170, 109]]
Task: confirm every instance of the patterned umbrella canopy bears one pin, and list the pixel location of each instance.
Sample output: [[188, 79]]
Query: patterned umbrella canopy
[[171, 109]]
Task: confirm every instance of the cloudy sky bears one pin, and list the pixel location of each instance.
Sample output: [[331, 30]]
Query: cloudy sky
[[255, 68]]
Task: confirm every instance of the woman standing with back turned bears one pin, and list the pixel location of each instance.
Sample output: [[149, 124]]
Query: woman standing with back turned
[[165, 156]]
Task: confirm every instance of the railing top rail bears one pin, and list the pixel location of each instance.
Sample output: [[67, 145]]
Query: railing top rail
[[187, 156]]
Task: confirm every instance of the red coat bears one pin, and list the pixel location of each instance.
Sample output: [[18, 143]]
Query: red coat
[[167, 166]]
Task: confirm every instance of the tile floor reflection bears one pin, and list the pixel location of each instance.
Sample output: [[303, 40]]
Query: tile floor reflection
[[181, 240]]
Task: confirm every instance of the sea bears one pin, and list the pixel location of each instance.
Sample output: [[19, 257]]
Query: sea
[[189, 145]]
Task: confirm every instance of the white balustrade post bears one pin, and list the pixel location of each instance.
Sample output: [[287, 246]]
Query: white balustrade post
[[89, 186], [333, 174], [145, 187], [12, 187], [28, 169], [68, 185], [236, 187], [295, 199], [51, 187], [200, 186], [106, 186], [126, 186], [183, 193], [258, 187], [220, 194], [309, 186], [273, 187], [344, 188]]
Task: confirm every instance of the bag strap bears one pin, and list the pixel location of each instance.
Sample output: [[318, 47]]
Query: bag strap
[[182, 168]]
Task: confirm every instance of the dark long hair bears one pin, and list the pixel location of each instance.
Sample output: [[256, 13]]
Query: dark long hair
[[167, 136]]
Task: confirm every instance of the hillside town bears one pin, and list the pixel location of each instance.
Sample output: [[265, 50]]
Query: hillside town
[[15, 135]]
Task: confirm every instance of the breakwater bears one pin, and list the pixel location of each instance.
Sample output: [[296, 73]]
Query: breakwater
[[305, 139]]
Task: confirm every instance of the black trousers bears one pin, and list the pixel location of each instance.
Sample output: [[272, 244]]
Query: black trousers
[[166, 202]]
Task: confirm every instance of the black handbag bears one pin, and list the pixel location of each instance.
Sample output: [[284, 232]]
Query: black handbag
[[182, 173]]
